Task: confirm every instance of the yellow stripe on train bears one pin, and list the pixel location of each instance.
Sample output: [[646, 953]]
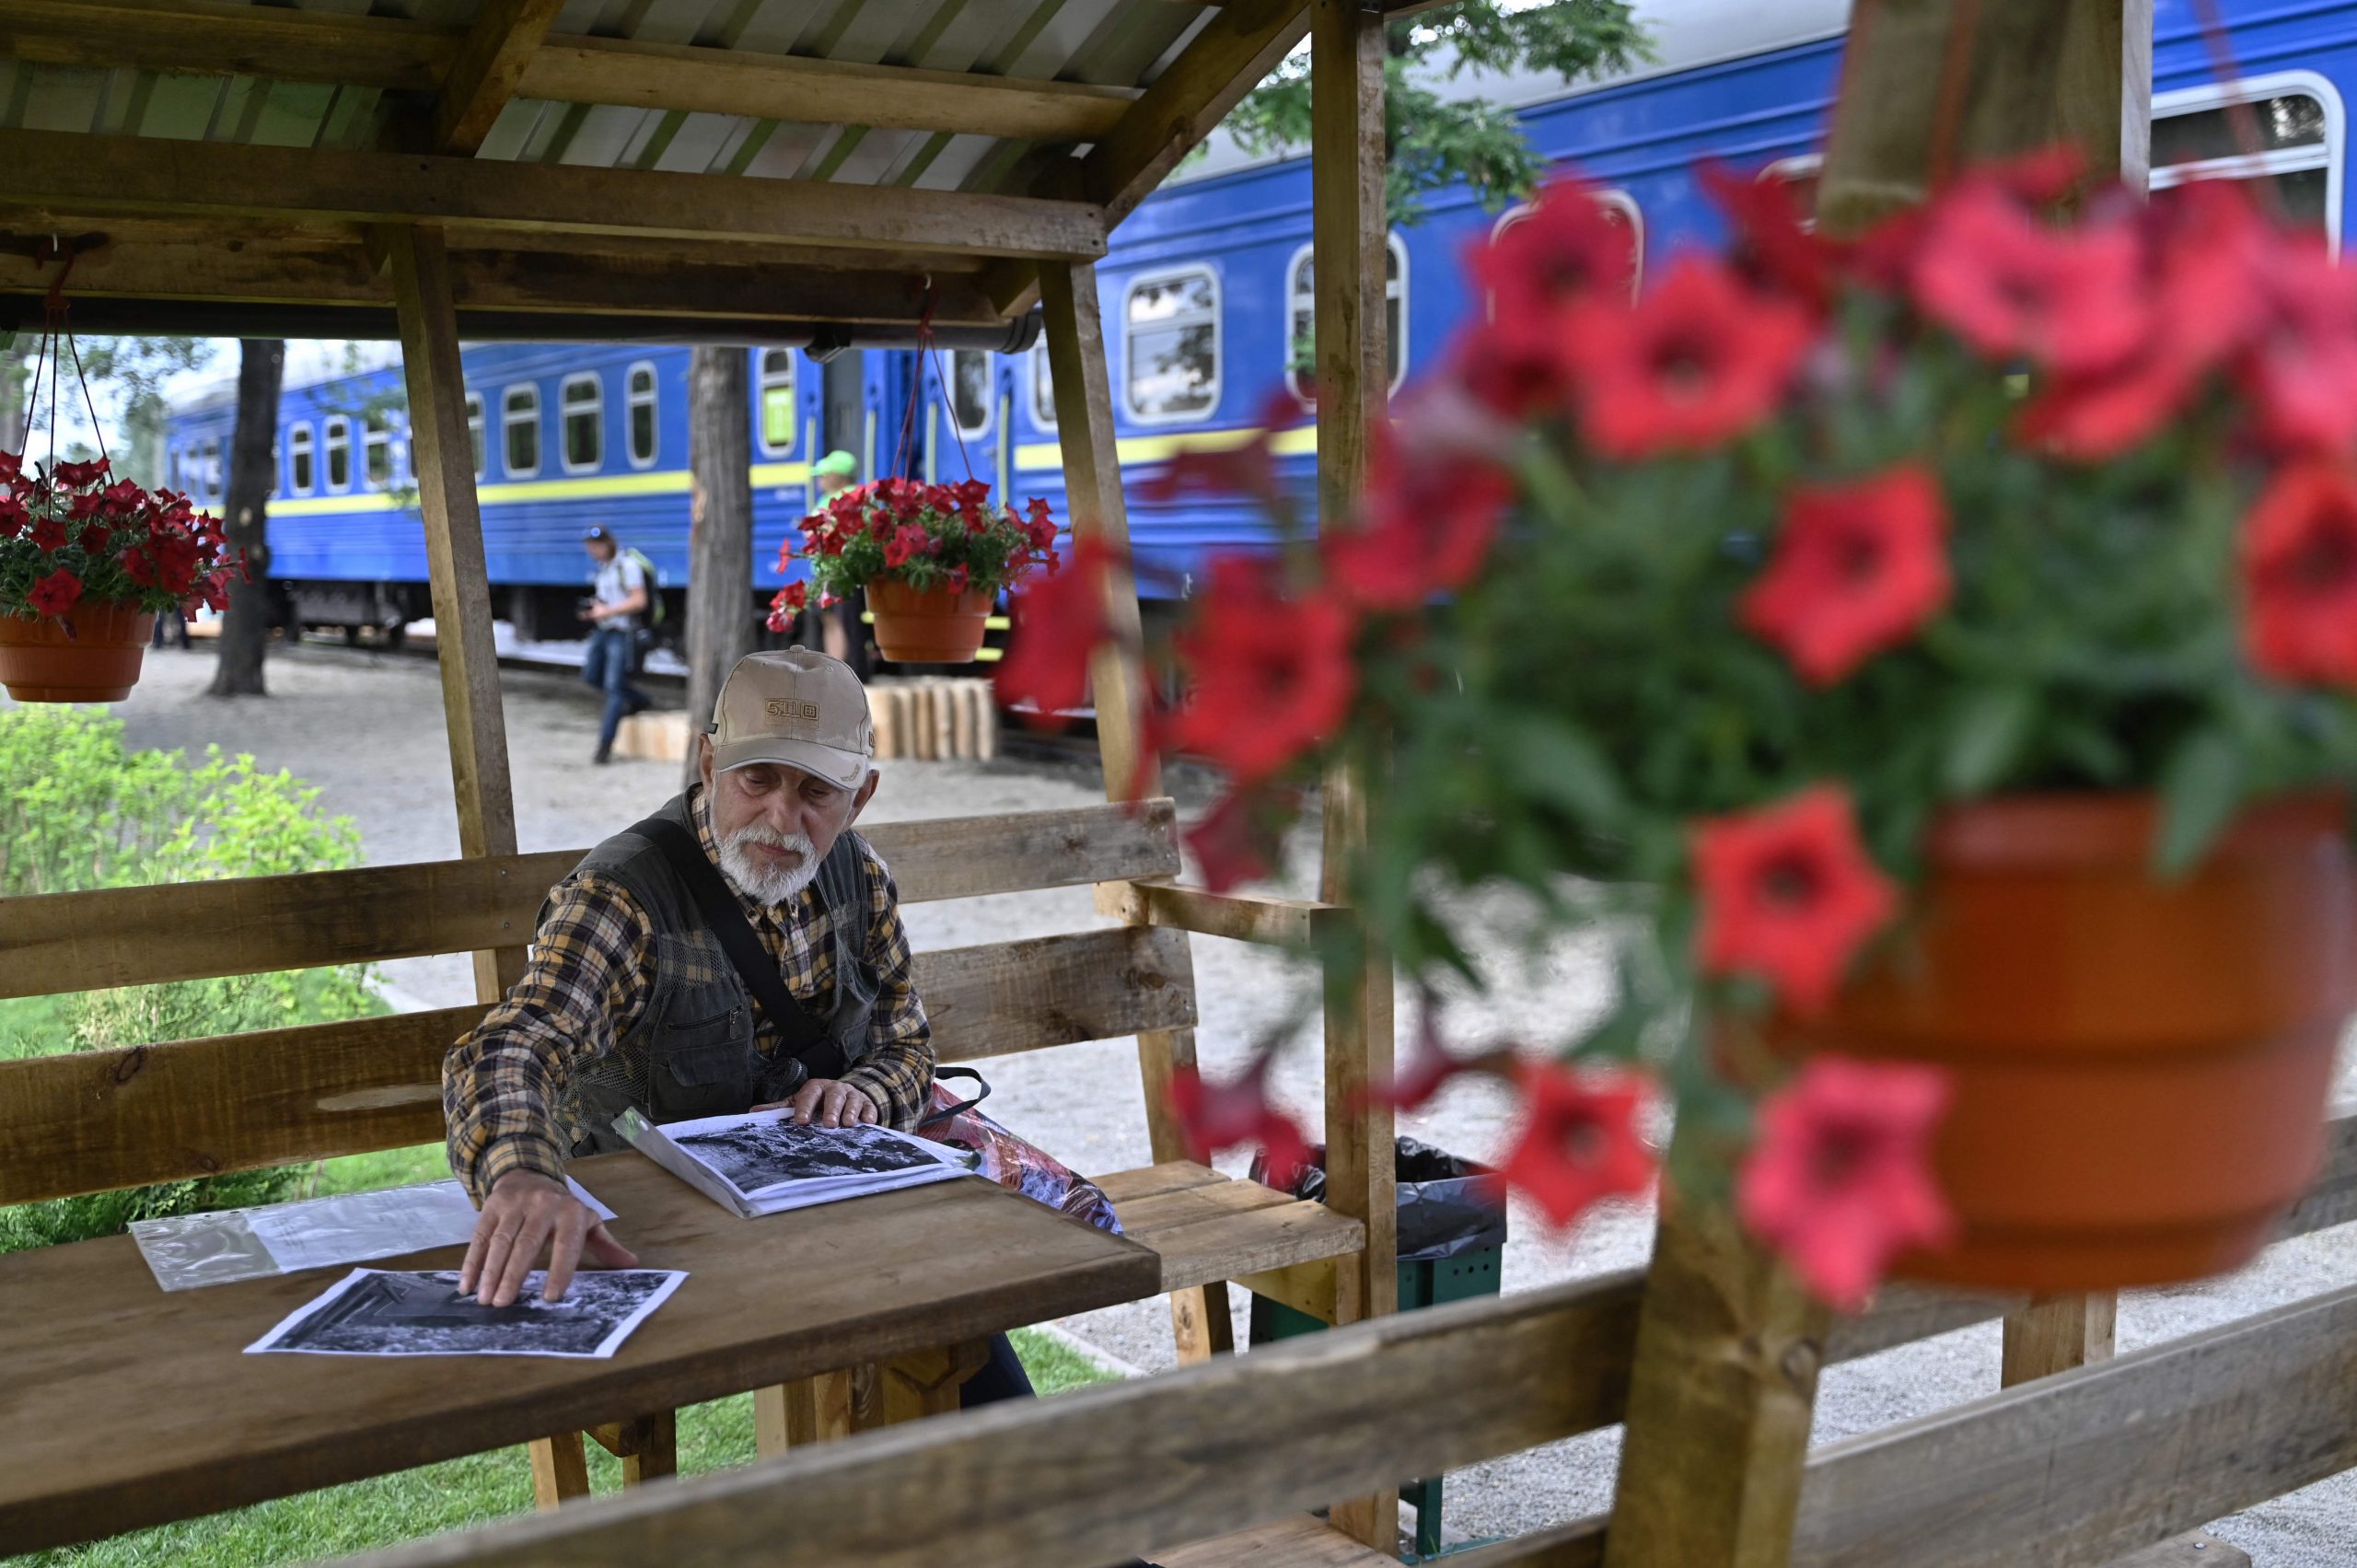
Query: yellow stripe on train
[[1038, 456], [661, 482]]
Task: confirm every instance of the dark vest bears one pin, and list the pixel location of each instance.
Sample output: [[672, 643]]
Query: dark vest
[[692, 1051]]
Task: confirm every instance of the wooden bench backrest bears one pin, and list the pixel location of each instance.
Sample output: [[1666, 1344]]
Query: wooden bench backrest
[[94, 1121]]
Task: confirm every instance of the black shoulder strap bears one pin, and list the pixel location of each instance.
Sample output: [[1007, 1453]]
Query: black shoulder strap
[[725, 917]]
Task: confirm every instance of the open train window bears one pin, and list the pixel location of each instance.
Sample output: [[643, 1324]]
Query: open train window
[[1301, 295], [582, 402], [777, 402], [1619, 208], [640, 392], [299, 459], [1043, 389], [519, 430], [338, 453], [2284, 129], [474, 429], [969, 390], [376, 449], [1170, 346]]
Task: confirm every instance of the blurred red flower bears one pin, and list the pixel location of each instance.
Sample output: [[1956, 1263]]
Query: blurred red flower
[[908, 541], [1430, 516], [1701, 359], [48, 533], [1789, 894], [2302, 367], [1774, 247], [1221, 1116], [2299, 565], [1248, 468], [1238, 840], [1578, 1143], [789, 603], [1272, 675], [1564, 249], [2009, 285], [1511, 369], [1059, 619], [1857, 568], [55, 594], [1838, 1181]]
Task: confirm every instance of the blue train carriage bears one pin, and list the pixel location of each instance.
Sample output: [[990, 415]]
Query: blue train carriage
[[1207, 298], [564, 437]]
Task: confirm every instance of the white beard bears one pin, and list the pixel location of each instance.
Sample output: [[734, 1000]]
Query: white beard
[[765, 883]]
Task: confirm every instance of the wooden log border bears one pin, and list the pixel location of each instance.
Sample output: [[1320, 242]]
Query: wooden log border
[[61, 942]]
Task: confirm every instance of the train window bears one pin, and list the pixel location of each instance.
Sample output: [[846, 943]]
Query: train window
[[969, 390], [338, 453], [1302, 293], [1798, 175], [474, 429], [376, 449], [641, 391], [1043, 389], [1619, 208], [777, 402], [2284, 129], [1170, 346], [298, 458], [520, 425], [583, 400]]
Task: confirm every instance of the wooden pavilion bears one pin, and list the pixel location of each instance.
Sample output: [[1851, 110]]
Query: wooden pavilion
[[746, 169]]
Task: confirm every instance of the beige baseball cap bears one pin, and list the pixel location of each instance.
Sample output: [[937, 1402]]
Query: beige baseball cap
[[799, 709]]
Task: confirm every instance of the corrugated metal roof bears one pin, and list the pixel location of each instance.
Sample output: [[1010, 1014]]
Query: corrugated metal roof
[[1105, 42]]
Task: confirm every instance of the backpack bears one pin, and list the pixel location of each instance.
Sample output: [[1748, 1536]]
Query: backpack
[[654, 586]]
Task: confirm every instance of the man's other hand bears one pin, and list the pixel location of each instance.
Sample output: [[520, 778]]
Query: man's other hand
[[827, 1102], [525, 1212]]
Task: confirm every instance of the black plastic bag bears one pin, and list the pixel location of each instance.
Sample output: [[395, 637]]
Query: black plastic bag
[[1447, 1204]]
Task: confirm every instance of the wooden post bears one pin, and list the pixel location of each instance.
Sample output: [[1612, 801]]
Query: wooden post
[[1076, 330], [1727, 1345], [1353, 381]]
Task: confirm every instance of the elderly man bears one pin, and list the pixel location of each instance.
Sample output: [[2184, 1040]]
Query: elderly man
[[632, 999]]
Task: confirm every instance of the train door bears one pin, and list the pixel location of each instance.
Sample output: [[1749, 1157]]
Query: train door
[[854, 397]]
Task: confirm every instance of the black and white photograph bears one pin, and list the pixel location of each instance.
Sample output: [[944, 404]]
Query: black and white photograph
[[383, 1312], [758, 1154]]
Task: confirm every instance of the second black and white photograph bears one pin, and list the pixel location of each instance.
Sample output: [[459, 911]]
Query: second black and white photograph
[[756, 1155]]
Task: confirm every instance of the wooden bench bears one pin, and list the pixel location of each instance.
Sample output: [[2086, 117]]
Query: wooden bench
[[98, 1120]]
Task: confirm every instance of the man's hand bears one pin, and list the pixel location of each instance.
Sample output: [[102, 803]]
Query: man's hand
[[827, 1102], [525, 1212]]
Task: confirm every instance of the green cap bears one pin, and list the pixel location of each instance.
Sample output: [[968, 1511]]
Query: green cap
[[840, 463]]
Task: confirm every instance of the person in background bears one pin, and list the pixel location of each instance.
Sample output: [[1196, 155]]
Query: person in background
[[617, 606], [840, 631]]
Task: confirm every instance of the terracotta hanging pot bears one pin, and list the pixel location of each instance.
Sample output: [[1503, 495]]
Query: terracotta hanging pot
[[934, 626], [92, 656], [2140, 1069]]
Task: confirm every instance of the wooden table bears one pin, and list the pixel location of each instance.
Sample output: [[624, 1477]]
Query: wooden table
[[126, 1406]]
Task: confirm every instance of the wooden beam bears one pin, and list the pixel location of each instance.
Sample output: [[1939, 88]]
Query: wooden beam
[[94, 1121], [1262, 918], [405, 56], [91, 941], [223, 181], [487, 70], [788, 87], [460, 582]]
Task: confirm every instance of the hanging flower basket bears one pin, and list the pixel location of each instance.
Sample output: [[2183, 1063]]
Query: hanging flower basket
[[932, 559], [84, 567], [1922, 668]]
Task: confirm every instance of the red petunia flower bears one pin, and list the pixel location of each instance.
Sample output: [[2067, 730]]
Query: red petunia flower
[[48, 534], [789, 603], [1430, 516], [1060, 620], [1838, 1181], [908, 541], [1699, 360], [1789, 894], [1238, 840], [15, 518], [2009, 285], [2302, 366], [1221, 1116], [76, 476], [1857, 568], [2299, 571], [1578, 1143], [1273, 676], [1775, 245], [1247, 468], [92, 540], [1510, 369], [1565, 248], [55, 594]]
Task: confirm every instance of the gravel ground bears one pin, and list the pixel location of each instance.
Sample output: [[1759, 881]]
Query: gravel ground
[[367, 728]]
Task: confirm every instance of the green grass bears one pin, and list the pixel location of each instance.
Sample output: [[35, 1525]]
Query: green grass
[[456, 1493]]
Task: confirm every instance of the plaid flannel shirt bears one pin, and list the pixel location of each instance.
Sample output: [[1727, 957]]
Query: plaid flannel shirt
[[591, 973]]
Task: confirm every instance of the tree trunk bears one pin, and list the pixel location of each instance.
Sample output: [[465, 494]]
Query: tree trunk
[[720, 538], [245, 627]]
